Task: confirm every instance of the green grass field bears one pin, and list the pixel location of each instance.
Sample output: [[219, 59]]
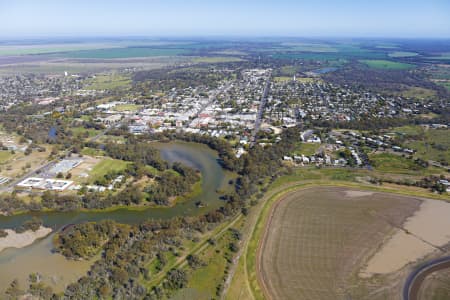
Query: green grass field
[[126, 107], [418, 93], [306, 149], [108, 82], [92, 151], [392, 163], [430, 144], [386, 64], [81, 131], [5, 156], [105, 166]]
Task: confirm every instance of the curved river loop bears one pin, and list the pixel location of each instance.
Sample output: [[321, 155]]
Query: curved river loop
[[58, 271]]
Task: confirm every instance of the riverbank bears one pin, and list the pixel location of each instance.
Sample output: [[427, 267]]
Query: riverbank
[[20, 240]]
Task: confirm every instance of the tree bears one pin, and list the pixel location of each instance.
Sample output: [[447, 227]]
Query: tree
[[13, 292], [176, 279]]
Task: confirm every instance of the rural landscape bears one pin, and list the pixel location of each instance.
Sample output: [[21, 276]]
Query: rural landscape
[[226, 165]]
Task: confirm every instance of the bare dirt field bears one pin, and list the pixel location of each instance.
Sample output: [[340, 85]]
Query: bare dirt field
[[436, 286], [317, 240]]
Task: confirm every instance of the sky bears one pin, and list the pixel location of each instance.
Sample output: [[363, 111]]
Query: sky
[[330, 18]]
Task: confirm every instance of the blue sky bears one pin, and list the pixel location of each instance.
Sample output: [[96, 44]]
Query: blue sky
[[344, 18]]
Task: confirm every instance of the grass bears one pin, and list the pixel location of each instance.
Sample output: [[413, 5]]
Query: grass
[[309, 47], [216, 59], [397, 54], [306, 149], [386, 64], [108, 82], [105, 166], [393, 163], [445, 84], [441, 56], [81, 131], [430, 144], [5, 156], [206, 279], [127, 107], [418, 93], [92, 151], [131, 52]]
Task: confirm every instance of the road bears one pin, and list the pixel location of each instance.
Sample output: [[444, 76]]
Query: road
[[414, 281], [259, 116], [10, 186]]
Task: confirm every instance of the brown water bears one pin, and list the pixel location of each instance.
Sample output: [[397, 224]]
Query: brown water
[[57, 271]]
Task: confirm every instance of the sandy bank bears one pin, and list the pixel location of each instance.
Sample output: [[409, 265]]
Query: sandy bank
[[427, 229], [20, 240]]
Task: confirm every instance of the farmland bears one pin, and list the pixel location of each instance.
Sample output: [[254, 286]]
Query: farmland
[[402, 54], [386, 64], [314, 238], [113, 53]]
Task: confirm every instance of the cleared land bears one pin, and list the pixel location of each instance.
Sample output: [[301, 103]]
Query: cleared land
[[436, 286], [386, 64], [402, 54], [317, 240]]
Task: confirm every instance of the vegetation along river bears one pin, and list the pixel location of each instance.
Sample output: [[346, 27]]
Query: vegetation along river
[[18, 263]]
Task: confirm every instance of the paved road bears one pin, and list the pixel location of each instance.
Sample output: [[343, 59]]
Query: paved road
[[415, 279], [259, 116]]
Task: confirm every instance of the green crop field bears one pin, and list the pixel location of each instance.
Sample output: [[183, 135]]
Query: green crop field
[[386, 64]]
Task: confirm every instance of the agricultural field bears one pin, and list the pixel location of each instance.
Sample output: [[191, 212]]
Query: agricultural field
[[130, 52], [397, 54], [309, 47], [386, 64], [441, 56], [318, 239], [216, 59]]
